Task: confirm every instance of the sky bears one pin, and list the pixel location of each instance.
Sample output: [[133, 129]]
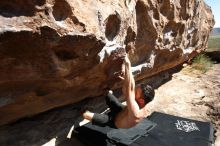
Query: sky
[[215, 5]]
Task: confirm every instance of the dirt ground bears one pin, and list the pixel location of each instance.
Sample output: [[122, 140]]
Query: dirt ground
[[192, 94]]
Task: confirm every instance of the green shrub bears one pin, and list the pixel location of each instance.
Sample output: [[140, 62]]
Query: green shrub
[[202, 63]]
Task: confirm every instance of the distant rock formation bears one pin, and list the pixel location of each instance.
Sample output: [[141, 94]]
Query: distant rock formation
[[215, 31], [58, 52]]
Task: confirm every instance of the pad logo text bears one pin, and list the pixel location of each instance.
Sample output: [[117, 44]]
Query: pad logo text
[[186, 126]]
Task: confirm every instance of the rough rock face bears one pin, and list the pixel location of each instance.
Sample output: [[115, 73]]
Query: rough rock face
[[58, 52]]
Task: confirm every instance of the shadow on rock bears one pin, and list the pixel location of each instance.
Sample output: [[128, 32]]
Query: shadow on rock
[[40, 129]]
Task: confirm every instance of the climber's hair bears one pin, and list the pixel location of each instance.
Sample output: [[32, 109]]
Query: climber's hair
[[148, 92]]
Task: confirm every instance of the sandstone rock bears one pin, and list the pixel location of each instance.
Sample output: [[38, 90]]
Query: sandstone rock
[[58, 52]]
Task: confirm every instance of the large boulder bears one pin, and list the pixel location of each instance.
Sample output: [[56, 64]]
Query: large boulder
[[59, 52]]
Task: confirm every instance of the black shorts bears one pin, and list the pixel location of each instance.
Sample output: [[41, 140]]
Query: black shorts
[[109, 118], [103, 120]]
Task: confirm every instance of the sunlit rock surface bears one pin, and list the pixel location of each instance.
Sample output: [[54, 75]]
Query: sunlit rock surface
[[59, 52]]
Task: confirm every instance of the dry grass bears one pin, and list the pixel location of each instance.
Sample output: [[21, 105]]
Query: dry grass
[[202, 63]]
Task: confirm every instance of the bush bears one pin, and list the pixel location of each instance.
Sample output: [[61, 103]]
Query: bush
[[202, 63]]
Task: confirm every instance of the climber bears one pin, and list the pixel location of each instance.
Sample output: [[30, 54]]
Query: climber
[[121, 116]]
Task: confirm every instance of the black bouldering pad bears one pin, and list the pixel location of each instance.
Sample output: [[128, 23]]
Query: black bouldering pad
[[162, 130], [92, 135], [131, 135], [177, 131]]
